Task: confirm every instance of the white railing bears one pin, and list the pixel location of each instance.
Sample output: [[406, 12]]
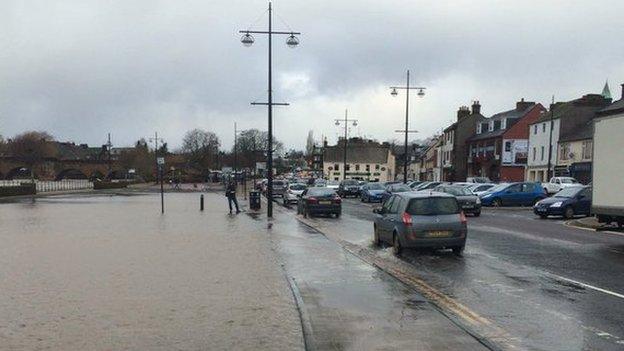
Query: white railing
[[44, 186]]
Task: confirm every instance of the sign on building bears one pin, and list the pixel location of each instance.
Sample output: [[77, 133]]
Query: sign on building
[[515, 151]]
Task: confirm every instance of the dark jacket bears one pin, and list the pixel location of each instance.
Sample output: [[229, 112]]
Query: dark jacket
[[230, 189]]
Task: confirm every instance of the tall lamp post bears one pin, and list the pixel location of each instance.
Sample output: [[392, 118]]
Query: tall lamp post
[[548, 172], [346, 121], [247, 39], [421, 93]]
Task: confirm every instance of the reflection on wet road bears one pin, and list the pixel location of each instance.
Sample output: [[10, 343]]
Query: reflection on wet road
[[550, 286]]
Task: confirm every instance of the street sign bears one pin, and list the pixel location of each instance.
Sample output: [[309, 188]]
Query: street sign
[[160, 160]]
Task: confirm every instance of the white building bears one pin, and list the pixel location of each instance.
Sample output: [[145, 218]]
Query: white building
[[366, 160], [539, 140]]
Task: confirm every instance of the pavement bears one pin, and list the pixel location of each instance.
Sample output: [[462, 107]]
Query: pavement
[[101, 272], [522, 283]]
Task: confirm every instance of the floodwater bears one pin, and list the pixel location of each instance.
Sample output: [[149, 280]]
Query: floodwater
[[112, 273]]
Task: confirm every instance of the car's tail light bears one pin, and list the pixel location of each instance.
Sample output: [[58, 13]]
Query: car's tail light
[[312, 200], [462, 217], [407, 218]]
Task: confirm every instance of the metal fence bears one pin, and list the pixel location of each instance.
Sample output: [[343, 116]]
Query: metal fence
[[44, 186]]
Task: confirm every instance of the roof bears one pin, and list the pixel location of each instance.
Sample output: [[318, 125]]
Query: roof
[[71, 151], [357, 153], [512, 116], [422, 194], [580, 132], [451, 127], [614, 108]]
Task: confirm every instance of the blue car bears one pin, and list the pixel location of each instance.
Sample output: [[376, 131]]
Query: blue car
[[513, 194], [372, 192], [568, 203]]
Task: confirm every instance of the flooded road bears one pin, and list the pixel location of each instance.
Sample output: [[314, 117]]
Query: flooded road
[[112, 273]]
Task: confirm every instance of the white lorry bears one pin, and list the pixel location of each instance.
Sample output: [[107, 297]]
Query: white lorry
[[557, 183], [608, 165]]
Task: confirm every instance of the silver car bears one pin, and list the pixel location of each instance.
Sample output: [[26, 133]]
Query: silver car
[[421, 220]]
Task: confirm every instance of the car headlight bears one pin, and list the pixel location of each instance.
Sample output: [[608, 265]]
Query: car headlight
[[557, 204], [478, 201]]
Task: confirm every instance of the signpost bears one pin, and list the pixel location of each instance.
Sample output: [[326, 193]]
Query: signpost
[[161, 165]]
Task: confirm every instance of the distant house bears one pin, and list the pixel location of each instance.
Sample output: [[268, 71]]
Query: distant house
[[455, 166], [499, 149], [571, 142], [366, 160]]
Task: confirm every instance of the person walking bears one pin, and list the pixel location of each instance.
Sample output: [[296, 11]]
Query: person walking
[[230, 193]]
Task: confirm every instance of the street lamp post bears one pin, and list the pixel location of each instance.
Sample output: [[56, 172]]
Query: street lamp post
[[548, 173], [421, 93], [247, 39], [346, 120]]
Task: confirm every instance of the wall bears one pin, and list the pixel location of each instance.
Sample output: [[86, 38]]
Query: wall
[[542, 139], [512, 174]]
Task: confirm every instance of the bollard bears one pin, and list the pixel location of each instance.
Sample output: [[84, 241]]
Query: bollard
[[201, 202]]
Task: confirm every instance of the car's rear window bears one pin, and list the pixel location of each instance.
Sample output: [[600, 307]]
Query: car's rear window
[[321, 192], [297, 187], [374, 186], [457, 191], [431, 206], [278, 182], [350, 182]]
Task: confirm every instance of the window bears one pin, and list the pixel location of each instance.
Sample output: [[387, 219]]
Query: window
[[542, 152], [376, 167], [433, 206], [587, 149], [478, 128], [564, 150], [497, 125], [396, 204], [388, 204], [515, 188], [534, 152], [528, 187], [535, 129], [367, 168], [544, 127], [484, 127], [336, 167], [347, 167], [357, 167]]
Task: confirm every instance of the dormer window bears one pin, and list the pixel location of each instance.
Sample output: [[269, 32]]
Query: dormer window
[[479, 128]]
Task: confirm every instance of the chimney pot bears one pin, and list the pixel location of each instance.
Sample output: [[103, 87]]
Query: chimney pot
[[476, 107]]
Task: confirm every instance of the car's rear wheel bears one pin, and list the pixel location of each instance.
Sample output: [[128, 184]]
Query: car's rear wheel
[[458, 250], [376, 239], [396, 245], [568, 212], [497, 203]]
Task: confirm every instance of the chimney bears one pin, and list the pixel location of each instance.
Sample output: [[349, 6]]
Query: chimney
[[476, 107], [463, 112], [523, 105]]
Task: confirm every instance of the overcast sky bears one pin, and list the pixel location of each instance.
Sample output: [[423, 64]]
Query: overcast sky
[[82, 68]]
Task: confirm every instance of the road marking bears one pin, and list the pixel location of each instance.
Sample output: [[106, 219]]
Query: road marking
[[589, 286], [570, 225]]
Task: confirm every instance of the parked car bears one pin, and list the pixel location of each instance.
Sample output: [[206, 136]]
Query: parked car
[[513, 194], [320, 182], [394, 188], [333, 184], [478, 180], [427, 186], [314, 201], [392, 182], [279, 188], [414, 184], [349, 187], [464, 184], [480, 188], [293, 192], [557, 183], [568, 203], [372, 192], [469, 202], [419, 219]]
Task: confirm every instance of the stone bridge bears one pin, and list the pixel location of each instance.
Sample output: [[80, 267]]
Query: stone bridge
[[53, 169]]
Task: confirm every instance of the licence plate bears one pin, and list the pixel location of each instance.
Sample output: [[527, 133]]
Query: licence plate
[[541, 210], [439, 234], [467, 206], [324, 202]]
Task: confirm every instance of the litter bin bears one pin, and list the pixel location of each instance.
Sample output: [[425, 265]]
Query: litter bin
[[254, 200]]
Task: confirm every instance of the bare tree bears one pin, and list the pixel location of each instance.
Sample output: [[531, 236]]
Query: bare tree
[[32, 148], [310, 143], [201, 148]]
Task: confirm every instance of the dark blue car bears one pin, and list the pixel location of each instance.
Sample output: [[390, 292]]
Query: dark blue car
[[513, 194], [372, 192], [568, 203]]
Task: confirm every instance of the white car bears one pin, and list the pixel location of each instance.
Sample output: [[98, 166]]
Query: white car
[[480, 188], [557, 183], [292, 193], [333, 184]]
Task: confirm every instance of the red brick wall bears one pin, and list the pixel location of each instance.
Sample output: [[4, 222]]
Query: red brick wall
[[520, 130], [512, 174]]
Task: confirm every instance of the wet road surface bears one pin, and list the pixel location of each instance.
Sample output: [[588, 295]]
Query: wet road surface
[[349, 304], [548, 286]]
